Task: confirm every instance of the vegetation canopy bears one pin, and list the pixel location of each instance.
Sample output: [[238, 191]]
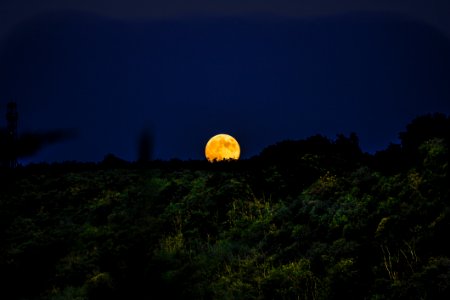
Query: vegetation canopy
[[308, 219]]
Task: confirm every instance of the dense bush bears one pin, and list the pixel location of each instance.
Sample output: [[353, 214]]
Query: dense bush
[[311, 219]]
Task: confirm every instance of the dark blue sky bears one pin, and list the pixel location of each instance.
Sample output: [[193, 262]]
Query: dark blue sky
[[262, 77]]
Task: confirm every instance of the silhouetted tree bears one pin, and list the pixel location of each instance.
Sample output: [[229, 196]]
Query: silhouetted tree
[[14, 146], [318, 224], [145, 146], [389, 161], [422, 129], [12, 117], [112, 161]]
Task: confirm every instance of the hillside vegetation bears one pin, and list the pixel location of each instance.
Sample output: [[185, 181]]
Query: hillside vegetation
[[309, 219]]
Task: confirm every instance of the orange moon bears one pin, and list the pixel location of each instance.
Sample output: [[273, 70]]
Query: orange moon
[[222, 146]]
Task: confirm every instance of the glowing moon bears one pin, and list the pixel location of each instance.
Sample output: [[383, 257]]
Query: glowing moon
[[222, 146]]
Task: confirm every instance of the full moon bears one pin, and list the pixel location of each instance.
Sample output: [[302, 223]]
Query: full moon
[[222, 146]]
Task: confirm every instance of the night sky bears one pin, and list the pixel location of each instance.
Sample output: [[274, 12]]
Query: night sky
[[262, 71]]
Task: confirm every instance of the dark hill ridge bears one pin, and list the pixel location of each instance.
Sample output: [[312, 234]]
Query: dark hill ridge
[[329, 223], [265, 80]]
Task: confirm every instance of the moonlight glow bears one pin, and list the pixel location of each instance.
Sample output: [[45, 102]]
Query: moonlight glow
[[222, 146]]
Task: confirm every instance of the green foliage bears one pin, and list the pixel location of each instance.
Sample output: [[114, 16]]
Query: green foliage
[[314, 219], [69, 293], [294, 280]]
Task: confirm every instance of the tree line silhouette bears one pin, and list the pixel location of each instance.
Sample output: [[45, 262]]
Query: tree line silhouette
[[14, 146], [307, 219]]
